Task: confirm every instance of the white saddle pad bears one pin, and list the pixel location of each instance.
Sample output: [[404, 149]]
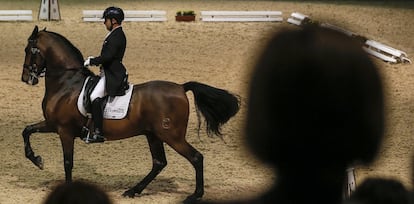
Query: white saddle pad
[[115, 108]]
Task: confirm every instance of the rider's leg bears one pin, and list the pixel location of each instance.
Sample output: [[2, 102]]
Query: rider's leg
[[97, 112], [99, 90], [97, 116]]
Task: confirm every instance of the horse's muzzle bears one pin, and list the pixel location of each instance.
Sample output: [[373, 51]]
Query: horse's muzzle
[[30, 80], [33, 81]]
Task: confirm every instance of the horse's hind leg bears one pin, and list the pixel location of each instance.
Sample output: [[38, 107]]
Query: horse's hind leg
[[159, 161], [196, 159]]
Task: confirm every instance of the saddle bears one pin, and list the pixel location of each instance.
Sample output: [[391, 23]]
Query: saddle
[[114, 107], [90, 85]]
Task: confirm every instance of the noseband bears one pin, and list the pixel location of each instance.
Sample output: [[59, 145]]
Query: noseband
[[34, 73]]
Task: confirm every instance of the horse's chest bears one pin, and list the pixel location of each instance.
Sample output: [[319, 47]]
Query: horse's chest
[[57, 106]]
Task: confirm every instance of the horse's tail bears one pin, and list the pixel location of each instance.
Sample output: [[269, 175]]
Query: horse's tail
[[216, 105]]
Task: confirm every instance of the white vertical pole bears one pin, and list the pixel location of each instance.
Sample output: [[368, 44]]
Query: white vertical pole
[[54, 10], [44, 10], [49, 10]]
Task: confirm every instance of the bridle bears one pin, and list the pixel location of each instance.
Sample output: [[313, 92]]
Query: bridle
[[33, 67]]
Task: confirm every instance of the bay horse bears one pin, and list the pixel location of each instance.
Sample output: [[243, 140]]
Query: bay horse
[[158, 109]]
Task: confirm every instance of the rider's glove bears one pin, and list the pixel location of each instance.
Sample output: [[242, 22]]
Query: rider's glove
[[87, 61]]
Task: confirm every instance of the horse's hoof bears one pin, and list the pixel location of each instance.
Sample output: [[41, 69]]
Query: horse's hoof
[[192, 199], [129, 193], [38, 161]]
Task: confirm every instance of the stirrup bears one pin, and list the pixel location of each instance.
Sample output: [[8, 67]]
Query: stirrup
[[94, 138], [85, 132]]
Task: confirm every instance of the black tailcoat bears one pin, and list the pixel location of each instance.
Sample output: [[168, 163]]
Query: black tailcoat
[[112, 52]]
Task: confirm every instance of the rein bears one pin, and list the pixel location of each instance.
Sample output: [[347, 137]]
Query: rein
[[58, 72]]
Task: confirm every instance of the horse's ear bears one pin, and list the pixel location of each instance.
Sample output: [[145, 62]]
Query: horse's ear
[[44, 29], [34, 33]]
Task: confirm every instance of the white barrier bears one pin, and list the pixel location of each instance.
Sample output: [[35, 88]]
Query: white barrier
[[296, 18], [16, 15], [302, 19], [374, 48], [130, 15], [385, 52], [234, 16], [342, 30]]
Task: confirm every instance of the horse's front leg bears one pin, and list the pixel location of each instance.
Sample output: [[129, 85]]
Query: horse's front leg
[[67, 138], [38, 127]]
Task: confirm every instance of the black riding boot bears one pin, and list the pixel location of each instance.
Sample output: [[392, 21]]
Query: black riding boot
[[97, 116]]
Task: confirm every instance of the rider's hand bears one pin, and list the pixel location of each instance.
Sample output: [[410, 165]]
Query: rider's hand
[[87, 61]]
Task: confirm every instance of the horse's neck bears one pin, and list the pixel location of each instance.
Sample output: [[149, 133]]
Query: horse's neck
[[61, 67], [64, 80], [61, 61], [58, 54]]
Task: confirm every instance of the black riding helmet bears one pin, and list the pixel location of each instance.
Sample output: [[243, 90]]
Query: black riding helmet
[[114, 12]]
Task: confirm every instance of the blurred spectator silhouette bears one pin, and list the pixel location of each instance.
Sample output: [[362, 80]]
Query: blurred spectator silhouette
[[315, 107], [380, 191], [77, 192]]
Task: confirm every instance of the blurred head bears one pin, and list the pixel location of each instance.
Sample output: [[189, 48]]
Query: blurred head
[[315, 99], [381, 191], [77, 192]]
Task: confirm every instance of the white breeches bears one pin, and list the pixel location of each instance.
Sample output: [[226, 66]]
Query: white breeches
[[99, 90]]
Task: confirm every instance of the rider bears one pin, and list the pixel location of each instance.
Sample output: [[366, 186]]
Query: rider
[[112, 72]]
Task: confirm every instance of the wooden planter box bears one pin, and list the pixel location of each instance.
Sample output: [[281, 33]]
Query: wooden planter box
[[185, 18]]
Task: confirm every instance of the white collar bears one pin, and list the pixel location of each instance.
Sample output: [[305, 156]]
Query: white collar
[[109, 33]]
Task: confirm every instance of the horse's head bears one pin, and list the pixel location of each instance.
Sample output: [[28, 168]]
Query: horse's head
[[34, 63]]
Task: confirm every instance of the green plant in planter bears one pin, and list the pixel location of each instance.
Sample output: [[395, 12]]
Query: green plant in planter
[[185, 13], [185, 16]]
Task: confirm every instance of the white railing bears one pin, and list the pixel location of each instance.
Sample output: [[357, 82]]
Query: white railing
[[16, 15], [234, 16], [130, 15]]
